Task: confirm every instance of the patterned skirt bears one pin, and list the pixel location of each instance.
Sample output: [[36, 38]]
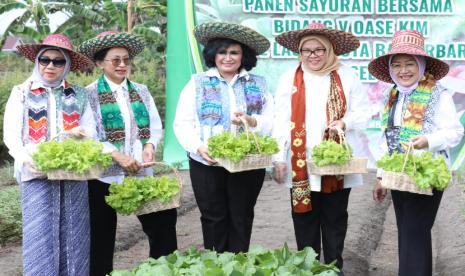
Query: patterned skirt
[[56, 233]]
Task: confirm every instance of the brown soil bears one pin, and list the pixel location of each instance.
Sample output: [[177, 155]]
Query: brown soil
[[371, 243]]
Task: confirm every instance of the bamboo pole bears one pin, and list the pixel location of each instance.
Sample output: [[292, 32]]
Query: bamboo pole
[[129, 16]]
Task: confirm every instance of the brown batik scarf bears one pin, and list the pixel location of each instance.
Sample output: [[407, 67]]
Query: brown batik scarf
[[335, 109]]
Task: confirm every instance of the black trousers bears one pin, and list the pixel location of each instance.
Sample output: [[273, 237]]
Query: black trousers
[[415, 215], [160, 228], [326, 223], [226, 202]]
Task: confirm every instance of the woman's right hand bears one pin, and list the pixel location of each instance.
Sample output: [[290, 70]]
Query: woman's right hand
[[129, 164], [203, 151], [379, 193], [279, 172]]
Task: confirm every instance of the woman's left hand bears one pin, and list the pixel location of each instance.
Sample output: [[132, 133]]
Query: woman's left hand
[[334, 125], [419, 142], [76, 132], [148, 153], [251, 121]]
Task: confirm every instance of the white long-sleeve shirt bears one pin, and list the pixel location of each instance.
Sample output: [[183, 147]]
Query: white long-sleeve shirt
[[122, 99], [14, 123], [446, 132], [187, 126], [316, 95]]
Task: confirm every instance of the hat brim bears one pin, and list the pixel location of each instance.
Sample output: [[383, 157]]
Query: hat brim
[[379, 67], [79, 62], [133, 43], [254, 40], [343, 42]]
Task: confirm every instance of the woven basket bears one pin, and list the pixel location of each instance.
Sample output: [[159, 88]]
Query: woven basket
[[250, 162], [155, 205], [402, 182], [60, 174], [355, 165]]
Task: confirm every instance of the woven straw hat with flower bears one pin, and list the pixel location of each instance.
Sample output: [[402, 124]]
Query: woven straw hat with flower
[[408, 42], [343, 42], [78, 61], [206, 31], [133, 43]]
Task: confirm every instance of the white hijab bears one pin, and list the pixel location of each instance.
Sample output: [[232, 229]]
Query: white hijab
[[37, 77], [421, 71]]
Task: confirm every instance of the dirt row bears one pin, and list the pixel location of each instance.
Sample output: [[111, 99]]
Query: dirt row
[[371, 243]]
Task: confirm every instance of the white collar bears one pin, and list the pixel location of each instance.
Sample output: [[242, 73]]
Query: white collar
[[213, 72], [114, 86], [36, 84]]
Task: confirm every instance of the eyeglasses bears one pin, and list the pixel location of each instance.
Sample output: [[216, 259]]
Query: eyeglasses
[[409, 67], [307, 52], [117, 61], [57, 62]]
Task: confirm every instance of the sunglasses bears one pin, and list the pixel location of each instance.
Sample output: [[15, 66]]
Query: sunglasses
[[117, 61], [57, 62]]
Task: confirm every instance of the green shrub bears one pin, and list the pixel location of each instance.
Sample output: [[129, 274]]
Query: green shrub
[[10, 215]]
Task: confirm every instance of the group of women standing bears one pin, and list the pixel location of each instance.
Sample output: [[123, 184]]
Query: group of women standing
[[313, 101]]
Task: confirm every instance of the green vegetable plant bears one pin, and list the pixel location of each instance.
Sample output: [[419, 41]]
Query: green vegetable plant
[[258, 261], [70, 155], [426, 171], [128, 197], [235, 148], [329, 152]]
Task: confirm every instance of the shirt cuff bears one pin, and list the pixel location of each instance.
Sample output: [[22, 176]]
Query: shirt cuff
[[434, 142], [379, 173], [108, 147]]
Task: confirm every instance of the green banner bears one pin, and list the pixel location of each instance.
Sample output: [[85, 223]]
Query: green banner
[[373, 22], [181, 62]]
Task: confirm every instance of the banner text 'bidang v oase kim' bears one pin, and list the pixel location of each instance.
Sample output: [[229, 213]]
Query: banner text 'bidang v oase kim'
[[373, 21]]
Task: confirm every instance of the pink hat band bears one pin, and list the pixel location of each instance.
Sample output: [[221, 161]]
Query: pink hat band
[[408, 41], [58, 40]]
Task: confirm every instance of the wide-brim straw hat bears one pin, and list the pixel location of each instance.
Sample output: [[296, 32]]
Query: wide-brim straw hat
[[133, 43], [78, 61], [245, 35], [343, 42], [408, 42]]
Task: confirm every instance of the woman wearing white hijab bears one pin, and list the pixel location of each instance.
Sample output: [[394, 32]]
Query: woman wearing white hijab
[[55, 212], [420, 111]]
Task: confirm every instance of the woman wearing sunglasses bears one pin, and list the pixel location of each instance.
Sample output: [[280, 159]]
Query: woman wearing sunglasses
[[55, 212], [130, 127]]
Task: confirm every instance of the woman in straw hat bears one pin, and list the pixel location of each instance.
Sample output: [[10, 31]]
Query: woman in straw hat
[[213, 102], [55, 212], [420, 111], [313, 102], [129, 125]]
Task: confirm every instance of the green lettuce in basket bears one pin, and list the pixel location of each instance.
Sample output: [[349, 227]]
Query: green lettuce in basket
[[128, 197], [329, 152], [235, 148], [426, 171], [71, 155]]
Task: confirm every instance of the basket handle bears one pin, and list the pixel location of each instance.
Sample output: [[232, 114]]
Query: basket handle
[[342, 139], [407, 153], [246, 126], [153, 163], [64, 133]]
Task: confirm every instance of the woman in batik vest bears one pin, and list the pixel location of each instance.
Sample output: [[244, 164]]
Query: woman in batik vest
[[130, 128], [312, 102], [213, 102], [55, 212], [417, 110]]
